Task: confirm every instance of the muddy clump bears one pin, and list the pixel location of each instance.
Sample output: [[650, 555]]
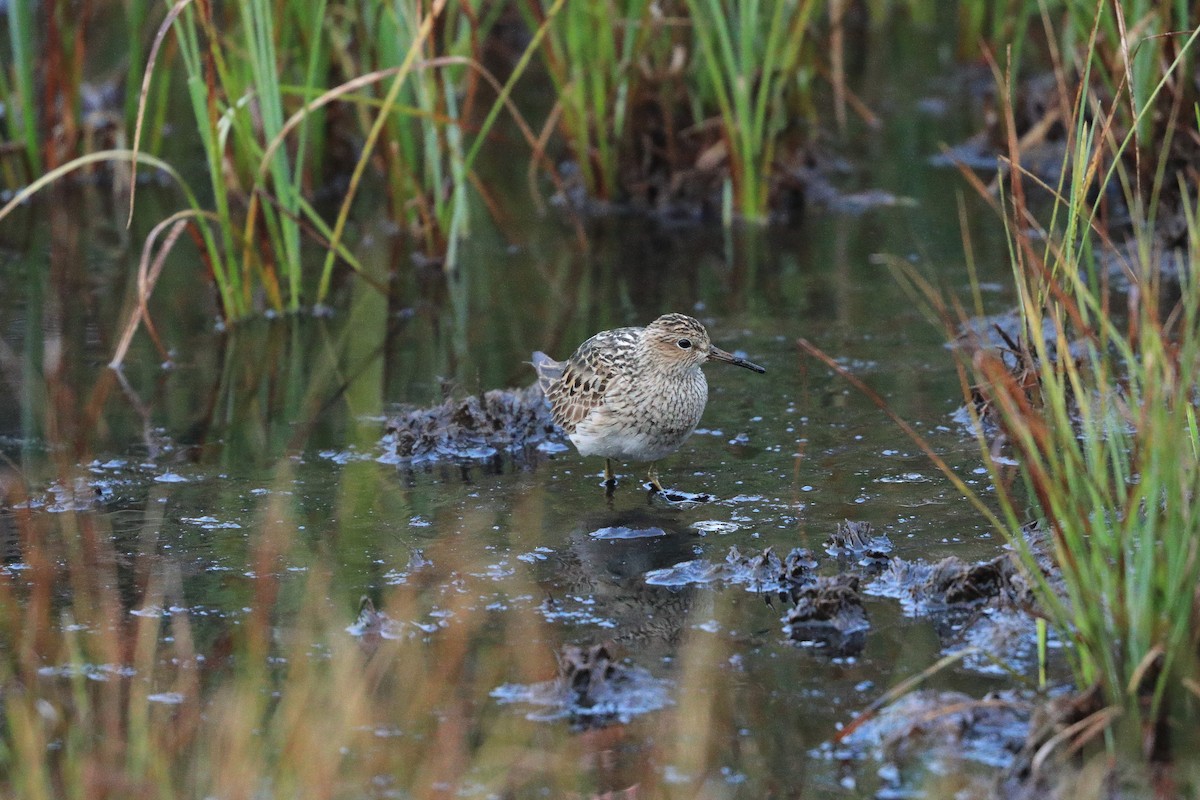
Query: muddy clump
[[588, 672], [1002, 337], [372, 626], [592, 689], [825, 611], [764, 573], [1038, 136], [952, 583], [1069, 753], [501, 421], [1042, 770], [930, 732], [769, 574], [858, 541], [987, 607], [828, 613]]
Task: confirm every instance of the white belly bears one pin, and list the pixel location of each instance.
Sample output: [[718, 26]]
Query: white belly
[[625, 445], [648, 426]]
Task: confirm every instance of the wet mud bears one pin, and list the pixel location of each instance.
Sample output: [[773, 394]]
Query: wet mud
[[935, 732], [952, 583], [500, 422], [1051, 764], [982, 610], [857, 541], [828, 613], [592, 688]]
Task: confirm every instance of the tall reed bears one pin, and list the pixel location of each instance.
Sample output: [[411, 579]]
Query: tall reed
[[590, 53], [1109, 451], [750, 53], [259, 158], [1098, 401], [22, 107], [1099, 406], [427, 177]]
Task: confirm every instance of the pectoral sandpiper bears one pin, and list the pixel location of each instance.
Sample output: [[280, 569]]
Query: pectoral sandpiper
[[633, 394]]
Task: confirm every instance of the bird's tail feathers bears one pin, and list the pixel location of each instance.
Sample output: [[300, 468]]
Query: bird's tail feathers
[[548, 370]]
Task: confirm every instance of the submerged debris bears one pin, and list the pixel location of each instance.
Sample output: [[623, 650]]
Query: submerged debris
[[821, 191], [373, 625], [1000, 641], [929, 731], [624, 532], [828, 612], [696, 571], [416, 562], [925, 588], [1048, 765], [987, 607], [473, 428], [857, 540], [768, 574], [587, 672], [591, 689], [763, 572]]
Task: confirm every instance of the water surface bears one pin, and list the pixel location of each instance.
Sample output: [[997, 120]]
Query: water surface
[[277, 423]]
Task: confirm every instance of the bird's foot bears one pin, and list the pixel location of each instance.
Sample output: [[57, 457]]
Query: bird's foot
[[652, 482], [671, 497], [610, 479], [676, 498]]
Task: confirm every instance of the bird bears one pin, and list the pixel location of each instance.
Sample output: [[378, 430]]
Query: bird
[[633, 394]]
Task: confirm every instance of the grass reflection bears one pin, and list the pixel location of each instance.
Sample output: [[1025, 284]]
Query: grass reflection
[[125, 675]]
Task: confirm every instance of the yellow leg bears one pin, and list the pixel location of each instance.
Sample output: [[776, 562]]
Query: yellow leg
[[608, 473], [652, 476]]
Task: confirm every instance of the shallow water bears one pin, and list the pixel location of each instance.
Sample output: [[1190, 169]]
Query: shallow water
[[280, 422]]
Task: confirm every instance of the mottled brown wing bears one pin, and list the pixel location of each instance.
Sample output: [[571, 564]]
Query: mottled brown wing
[[578, 385]]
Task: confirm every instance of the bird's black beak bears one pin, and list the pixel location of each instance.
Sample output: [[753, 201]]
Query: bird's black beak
[[717, 354]]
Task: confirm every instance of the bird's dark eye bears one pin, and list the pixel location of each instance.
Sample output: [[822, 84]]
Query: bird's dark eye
[[684, 344]]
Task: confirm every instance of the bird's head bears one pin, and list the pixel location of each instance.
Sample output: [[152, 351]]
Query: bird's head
[[681, 340]]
